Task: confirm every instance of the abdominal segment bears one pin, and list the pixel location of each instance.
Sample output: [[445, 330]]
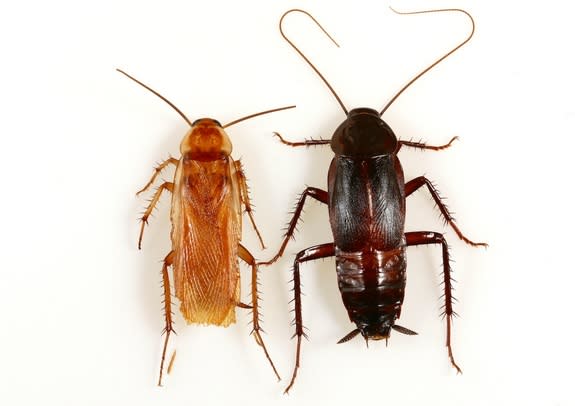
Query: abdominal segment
[[372, 286]]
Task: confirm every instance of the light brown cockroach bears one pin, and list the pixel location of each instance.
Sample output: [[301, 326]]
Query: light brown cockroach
[[208, 192]]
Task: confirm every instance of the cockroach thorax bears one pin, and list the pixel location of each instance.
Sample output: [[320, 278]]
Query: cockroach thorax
[[206, 141]]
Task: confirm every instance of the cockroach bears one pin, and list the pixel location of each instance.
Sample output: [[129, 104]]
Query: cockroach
[[208, 192], [366, 201]]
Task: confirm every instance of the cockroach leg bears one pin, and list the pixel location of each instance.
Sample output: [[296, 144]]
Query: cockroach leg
[[422, 145], [317, 194], [307, 143], [420, 181], [248, 258], [169, 327], [171, 363], [429, 237], [169, 186], [157, 170], [243, 305], [316, 252], [244, 190]]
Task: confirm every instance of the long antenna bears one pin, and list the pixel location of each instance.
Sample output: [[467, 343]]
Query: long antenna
[[256, 114], [304, 57], [423, 72], [159, 95]]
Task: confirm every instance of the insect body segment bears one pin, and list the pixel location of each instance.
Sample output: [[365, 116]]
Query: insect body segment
[[372, 287], [363, 134], [206, 141], [209, 191]]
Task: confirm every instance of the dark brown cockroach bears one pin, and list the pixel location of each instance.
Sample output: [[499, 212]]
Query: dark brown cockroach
[[366, 201], [208, 192]]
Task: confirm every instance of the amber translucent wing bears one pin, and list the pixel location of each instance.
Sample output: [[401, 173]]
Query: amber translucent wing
[[206, 229]]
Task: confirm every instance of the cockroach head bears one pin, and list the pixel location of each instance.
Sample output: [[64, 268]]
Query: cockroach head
[[206, 141], [363, 134]]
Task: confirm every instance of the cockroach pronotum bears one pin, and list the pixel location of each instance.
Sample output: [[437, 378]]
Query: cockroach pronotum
[[208, 192], [366, 202]]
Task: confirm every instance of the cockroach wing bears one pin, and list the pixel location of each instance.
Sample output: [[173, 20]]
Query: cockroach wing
[[367, 202], [206, 229], [387, 182]]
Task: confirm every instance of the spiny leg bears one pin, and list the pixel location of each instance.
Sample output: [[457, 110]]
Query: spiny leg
[[248, 258], [169, 327], [169, 186], [429, 237], [242, 305], [316, 252], [319, 195], [307, 143], [171, 363], [422, 145], [244, 192], [420, 181], [157, 170]]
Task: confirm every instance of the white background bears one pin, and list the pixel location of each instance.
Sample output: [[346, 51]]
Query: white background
[[80, 312]]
